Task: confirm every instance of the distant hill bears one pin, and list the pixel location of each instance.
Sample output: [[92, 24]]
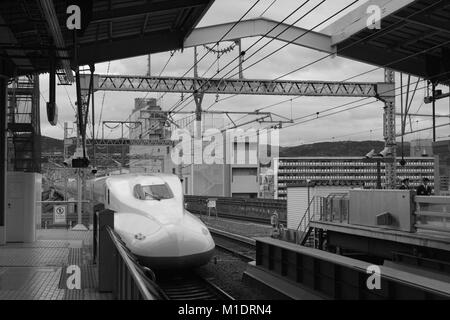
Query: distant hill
[[322, 149], [52, 145], [337, 149]]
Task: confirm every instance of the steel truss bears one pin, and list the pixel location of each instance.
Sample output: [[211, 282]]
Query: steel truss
[[235, 86], [145, 142]]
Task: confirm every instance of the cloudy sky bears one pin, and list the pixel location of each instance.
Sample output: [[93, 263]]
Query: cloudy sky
[[358, 124]]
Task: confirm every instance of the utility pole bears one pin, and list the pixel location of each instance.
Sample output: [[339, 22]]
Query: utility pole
[[79, 226], [198, 98], [149, 65], [241, 58]]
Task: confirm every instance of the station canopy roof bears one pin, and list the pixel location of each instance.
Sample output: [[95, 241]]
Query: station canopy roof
[[111, 29], [414, 37]]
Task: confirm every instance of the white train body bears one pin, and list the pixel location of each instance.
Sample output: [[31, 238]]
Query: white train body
[[151, 219]]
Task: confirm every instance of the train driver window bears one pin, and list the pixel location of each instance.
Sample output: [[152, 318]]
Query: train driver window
[[152, 192]]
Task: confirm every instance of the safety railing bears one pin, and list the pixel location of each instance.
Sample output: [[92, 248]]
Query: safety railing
[[304, 221], [131, 279], [119, 270], [302, 228], [432, 213]]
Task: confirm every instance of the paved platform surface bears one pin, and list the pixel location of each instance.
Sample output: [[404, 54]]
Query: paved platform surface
[[38, 270], [244, 228]]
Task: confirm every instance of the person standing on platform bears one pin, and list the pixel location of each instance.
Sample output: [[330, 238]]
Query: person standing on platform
[[424, 189], [405, 184], [275, 225]]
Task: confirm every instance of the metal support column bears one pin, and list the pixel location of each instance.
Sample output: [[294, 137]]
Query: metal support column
[[92, 69], [198, 98], [433, 86], [3, 155], [389, 132]]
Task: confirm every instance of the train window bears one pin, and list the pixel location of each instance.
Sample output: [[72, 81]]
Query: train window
[[153, 192]]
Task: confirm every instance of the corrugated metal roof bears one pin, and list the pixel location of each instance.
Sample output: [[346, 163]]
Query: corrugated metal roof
[[115, 29], [414, 40]]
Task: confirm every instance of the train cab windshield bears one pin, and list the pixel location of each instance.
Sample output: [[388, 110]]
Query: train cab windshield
[[152, 192]]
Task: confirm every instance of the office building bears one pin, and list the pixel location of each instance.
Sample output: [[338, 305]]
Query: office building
[[345, 171]]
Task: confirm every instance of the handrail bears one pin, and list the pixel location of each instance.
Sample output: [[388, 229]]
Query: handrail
[[432, 199], [306, 211], [139, 281], [432, 213]]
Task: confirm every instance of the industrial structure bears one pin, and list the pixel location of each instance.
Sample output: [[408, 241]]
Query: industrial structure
[[149, 123]]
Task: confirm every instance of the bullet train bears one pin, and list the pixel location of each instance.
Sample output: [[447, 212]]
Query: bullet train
[[151, 219]]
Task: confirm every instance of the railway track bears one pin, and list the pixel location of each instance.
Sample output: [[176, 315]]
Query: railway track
[[265, 221], [240, 246], [190, 286]]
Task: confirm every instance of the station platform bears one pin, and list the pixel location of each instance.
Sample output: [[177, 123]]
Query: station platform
[[427, 238], [38, 270]]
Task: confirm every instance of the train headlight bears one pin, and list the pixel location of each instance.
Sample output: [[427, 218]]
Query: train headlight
[[205, 231], [139, 236]]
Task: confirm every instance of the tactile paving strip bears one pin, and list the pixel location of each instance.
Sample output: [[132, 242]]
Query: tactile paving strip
[[29, 283], [41, 244], [33, 256], [56, 234], [38, 270]]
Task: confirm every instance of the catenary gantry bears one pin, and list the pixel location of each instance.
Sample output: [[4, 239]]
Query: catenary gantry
[[237, 86]]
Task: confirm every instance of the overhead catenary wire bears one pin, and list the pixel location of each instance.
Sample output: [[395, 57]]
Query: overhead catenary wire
[[399, 22], [267, 33], [172, 53], [350, 108], [268, 8], [223, 36], [255, 43], [318, 116], [357, 133], [300, 36], [103, 103], [377, 68], [363, 39], [394, 62], [265, 10]]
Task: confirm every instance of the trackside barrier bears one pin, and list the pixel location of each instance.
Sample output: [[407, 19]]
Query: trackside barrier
[[256, 209], [337, 277], [119, 271]]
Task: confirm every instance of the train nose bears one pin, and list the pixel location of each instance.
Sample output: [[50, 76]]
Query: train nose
[[176, 246]]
